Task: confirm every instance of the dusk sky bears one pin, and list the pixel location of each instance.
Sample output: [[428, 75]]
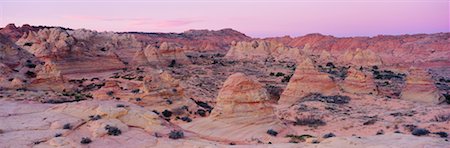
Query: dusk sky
[[256, 18]]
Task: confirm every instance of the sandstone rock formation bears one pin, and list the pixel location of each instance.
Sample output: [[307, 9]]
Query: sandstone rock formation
[[242, 112], [357, 82], [420, 87], [262, 50], [361, 57], [68, 54], [14, 33], [196, 40], [37, 124], [165, 54], [306, 80]]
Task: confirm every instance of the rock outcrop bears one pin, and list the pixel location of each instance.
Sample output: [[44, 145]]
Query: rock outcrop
[[361, 57], [68, 54], [262, 50], [196, 40], [306, 80], [357, 82], [44, 125], [165, 54], [242, 112], [420, 87]]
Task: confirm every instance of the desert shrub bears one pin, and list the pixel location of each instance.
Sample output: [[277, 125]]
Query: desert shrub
[[202, 104], [274, 92], [329, 135], [172, 63], [447, 98], [380, 132], [114, 131], [310, 121], [30, 74], [409, 127], [279, 74], [58, 135], [120, 105], [110, 93], [298, 138], [272, 132], [28, 44], [30, 65], [186, 119], [441, 134], [135, 91], [420, 132], [387, 75], [67, 126], [167, 113], [95, 117], [176, 134], [370, 122], [441, 118], [85, 140], [286, 78], [201, 112]]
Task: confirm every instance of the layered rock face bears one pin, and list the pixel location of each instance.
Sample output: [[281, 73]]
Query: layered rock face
[[262, 50], [196, 40], [306, 80], [361, 57], [161, 86], [165, 54], [242, 112], [420, 87], [69, 55], [14, 33], [421, 49], [357, 82]]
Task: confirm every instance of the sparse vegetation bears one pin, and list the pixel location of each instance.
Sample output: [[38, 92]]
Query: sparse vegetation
[[30, 74], [114, 131], [172, 63], [298, 138], [420, 132], [329, 135], [337, 99], [335, 72], [110, 93], [272, 132], [441, 134], [176, 134], [67, 126], [310, 121], [85, 140], [370, 122], [441, 118], [186, 119], [95, 117], [167, 113], [201, 112]]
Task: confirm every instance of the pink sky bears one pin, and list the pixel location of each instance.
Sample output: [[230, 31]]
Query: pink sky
[[256, 18]]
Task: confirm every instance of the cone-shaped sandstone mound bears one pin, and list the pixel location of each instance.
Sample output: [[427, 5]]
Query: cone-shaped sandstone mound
[[306, 80], [242, 112], [420, 87], [358, 82]]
